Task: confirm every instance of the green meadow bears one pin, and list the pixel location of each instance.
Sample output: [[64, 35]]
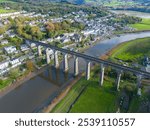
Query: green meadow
[[6, 11], [93, 99], [142, 26], [132, 51]]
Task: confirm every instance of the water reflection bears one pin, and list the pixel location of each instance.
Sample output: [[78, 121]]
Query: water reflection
[[56, 76]]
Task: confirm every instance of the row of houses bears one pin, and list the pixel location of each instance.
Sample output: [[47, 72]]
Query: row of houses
[[13, 49], [11, 14], [65, 38], [8, 65]]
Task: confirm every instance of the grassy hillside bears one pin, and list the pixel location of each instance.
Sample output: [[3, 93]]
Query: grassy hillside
[[132, 51], [110, 2], [6, 0], [5, 11], [144, 25]]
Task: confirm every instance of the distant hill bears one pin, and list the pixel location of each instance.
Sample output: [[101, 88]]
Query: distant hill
[[105, 2], [108, 1]]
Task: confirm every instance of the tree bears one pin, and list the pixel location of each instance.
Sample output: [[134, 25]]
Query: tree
[[27, 29], [2, 30], [16, 40], [1, 82], [50, 26], [36, 33], [57, 26], [65, 26], [30, 65], [13, 73]]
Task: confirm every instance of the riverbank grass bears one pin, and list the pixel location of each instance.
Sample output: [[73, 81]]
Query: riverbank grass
[[96, 99], [142, 26], [6, 1], [4, 83], [64, 105], [132, 51], [6, 11], [93, 99]]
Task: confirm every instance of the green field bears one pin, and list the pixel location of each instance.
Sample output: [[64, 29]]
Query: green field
[[96, 99], [6, 11], [4, 83], [3, 0], [144, 25], [6, 1], [132, 51], [115, 3], [93, 99], [2, 10], [112, 3], [64, 105]]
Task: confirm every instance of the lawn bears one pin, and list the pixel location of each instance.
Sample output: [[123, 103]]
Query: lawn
[[93, 99], [96, 99], [64, 105], [115, 3], [133, 50], [6, 11], [3, 0], [144, 25], [6, 1], [5, 83], [2, 10], [134, 105]]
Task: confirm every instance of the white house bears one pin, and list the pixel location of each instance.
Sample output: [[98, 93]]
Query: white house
[[65, 40], [10, 14], [12, 35], [4, 42], [1, 24], [57, 38], [1, 36], [77, 38], [147, 68], [50, 40], [32, 45], [10, 49], [15, 62], [4, 65], [24, 47]]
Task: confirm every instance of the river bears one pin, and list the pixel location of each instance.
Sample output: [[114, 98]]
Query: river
[[39, 91], [132, 13]]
